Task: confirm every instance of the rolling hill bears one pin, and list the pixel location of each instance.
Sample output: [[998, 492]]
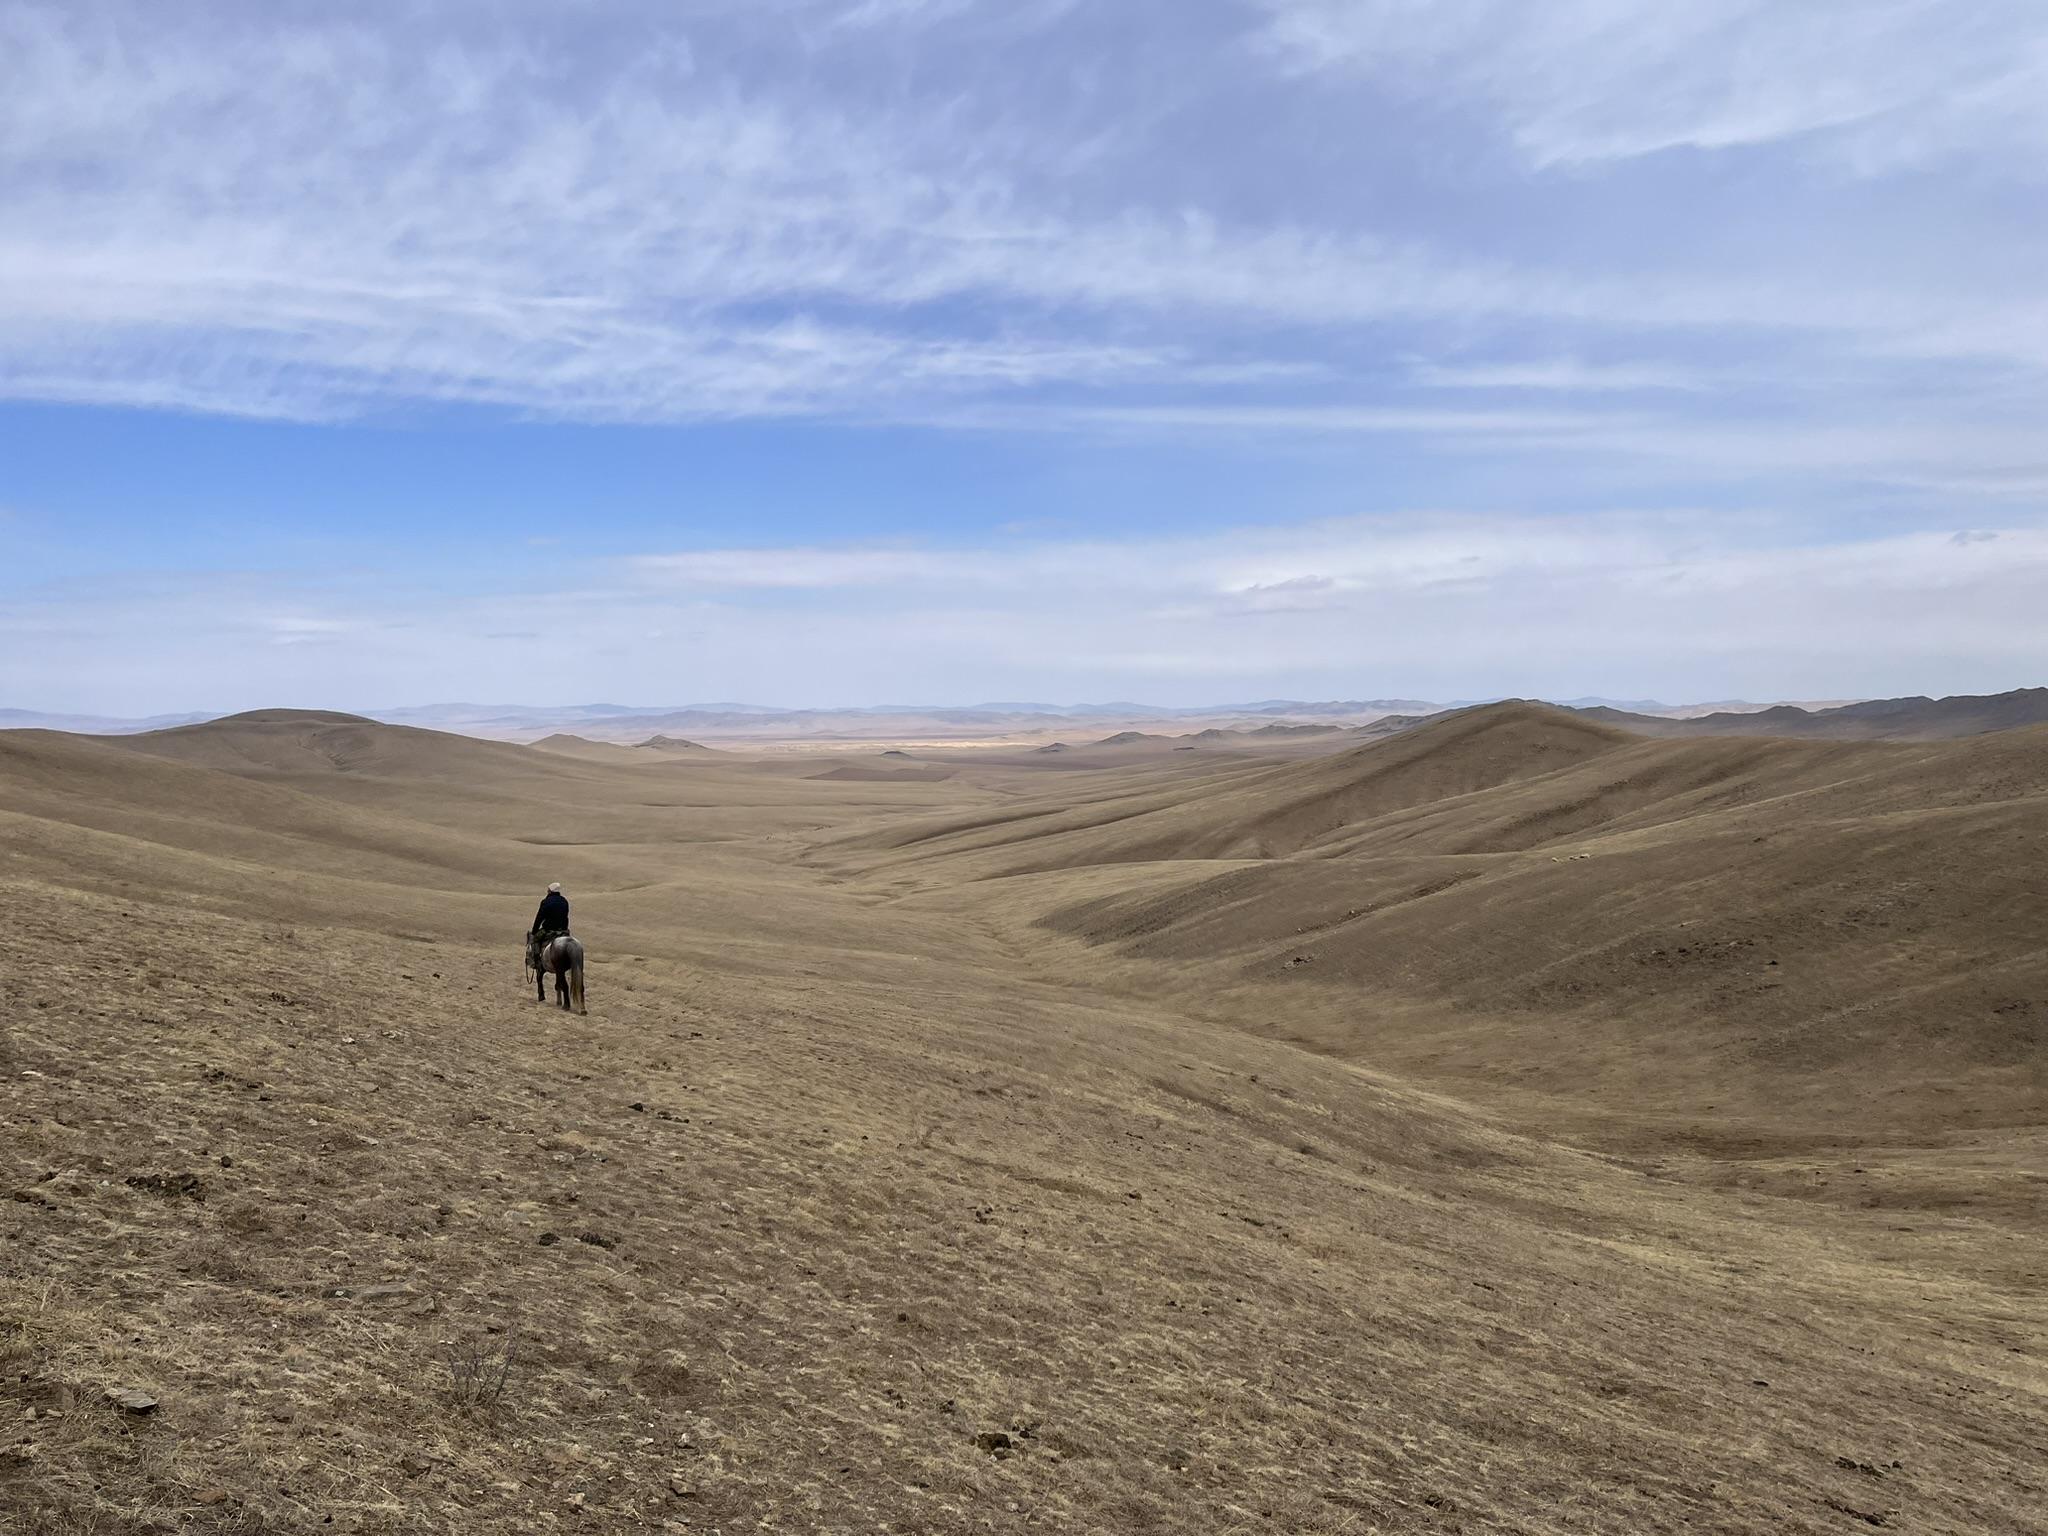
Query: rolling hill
[[1739, 927]]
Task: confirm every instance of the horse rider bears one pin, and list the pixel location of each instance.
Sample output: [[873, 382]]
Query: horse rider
[[550, 921]]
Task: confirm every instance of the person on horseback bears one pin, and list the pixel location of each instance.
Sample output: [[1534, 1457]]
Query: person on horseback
[[551, 919], [552, 951]]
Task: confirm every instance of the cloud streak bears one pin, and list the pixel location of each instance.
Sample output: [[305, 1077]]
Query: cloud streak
[[307, 218], [1578, 81]]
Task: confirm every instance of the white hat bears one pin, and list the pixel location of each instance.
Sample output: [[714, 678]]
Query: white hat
[[556, 886]]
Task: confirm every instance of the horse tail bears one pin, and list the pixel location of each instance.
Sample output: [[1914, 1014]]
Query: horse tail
[[576, 978]]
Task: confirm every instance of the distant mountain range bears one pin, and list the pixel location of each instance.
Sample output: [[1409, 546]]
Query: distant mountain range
[[1916, 717], [527, 721], [94, 725]]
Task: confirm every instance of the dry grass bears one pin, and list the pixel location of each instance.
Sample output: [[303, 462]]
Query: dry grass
[[841, 1188]]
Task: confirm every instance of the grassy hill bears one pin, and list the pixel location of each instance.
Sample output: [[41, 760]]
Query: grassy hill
[[1517, 896]]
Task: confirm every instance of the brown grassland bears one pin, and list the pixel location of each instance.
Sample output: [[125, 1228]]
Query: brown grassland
[[1512, 1125]]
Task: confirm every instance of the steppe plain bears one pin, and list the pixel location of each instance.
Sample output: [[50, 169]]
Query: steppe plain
[[1513, 1124]]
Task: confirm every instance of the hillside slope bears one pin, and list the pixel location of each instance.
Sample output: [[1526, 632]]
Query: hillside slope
[[1517, 896]]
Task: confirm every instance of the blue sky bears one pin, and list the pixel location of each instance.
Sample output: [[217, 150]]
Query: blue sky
[[814, 351]]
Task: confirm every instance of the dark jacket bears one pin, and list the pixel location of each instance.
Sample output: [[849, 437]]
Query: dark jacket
[[553, 913]]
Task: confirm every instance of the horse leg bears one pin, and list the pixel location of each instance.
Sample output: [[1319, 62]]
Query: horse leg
[[576, 986]]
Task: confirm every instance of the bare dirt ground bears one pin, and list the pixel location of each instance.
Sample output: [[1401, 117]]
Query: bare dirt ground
[[879, 1192]]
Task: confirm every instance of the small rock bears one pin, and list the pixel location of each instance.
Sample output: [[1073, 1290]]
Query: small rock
[[399, 1292], [211, 1496], [993, 1441], [597, 1240], [548, 1239], [131, 1399], [189, 1185], [226, 1161]]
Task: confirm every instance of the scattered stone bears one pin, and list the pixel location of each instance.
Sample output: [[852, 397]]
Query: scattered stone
[[171, 1185], [226, 1161], [394, 1292], [548, 1239], [597, 1240], [131, 1400], [414, 1465], [994, 1442], [211, 1496]]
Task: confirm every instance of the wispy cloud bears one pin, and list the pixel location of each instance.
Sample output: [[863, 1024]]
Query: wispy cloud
[[754, 211], [1562, 374], [1590, 80]]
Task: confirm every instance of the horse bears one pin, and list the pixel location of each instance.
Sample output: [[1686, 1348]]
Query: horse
[[559, 956]]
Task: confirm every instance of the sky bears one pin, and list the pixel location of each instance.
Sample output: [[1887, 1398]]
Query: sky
[[813, 352]]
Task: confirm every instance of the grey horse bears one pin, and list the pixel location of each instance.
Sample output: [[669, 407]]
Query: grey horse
[[561, 957]]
